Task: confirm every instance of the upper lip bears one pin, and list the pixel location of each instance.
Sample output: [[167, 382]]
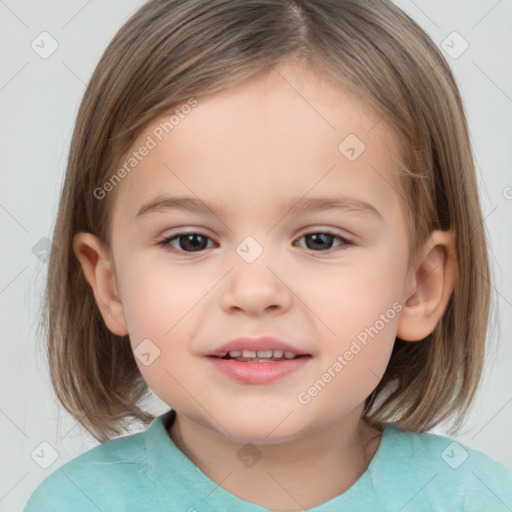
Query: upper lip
[[262, 343]]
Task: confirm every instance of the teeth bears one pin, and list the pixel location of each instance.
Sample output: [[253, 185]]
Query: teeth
[[259, 355]]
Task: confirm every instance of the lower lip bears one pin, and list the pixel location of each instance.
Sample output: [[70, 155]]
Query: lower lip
[[258, 373]]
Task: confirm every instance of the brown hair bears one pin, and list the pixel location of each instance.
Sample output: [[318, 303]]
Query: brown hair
[[171, 50]]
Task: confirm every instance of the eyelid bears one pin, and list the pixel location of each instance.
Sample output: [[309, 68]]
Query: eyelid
[[174, 232]]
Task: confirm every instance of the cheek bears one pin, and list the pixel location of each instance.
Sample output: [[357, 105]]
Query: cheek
[[160, 297], [161, 306], [352, 296], [360, 306], [362, 314]]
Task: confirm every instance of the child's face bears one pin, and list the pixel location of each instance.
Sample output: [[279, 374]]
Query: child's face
[[254, 151]]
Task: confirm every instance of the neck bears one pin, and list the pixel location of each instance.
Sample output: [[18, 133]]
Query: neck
[[294, 475]]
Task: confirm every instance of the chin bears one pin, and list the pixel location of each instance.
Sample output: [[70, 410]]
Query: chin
[[263, 429]]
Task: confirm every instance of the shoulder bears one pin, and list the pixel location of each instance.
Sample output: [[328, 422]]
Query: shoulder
[[451, 473], [102, 478]]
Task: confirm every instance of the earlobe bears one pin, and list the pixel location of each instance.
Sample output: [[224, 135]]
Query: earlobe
[[430, 285], [99, 272]]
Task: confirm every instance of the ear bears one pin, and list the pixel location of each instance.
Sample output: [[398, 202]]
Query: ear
[[99, 272], [430, 283]]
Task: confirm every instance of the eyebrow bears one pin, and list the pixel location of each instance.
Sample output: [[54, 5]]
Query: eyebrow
[[298, 205]]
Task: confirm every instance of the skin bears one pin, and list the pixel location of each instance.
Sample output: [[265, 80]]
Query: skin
[[252, 149]]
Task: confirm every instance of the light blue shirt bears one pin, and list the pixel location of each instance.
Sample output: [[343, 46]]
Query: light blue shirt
[[410, 472]]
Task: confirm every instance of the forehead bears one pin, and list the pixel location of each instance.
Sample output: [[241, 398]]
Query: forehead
[[283, 133]]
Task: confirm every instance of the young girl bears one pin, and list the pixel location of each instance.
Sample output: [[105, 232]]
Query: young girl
[[270, 218]]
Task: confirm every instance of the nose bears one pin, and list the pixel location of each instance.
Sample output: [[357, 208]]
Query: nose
[[257, 287]]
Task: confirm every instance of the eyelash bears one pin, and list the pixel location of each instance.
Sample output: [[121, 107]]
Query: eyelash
[[166, 242]]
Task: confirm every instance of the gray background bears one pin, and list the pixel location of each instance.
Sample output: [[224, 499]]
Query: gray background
[[39, 98]]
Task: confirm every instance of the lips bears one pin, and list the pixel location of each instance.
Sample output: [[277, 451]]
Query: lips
[[262, 360], [258, 361]]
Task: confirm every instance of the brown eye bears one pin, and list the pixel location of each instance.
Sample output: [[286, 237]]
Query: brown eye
[[322, 241], [186, 242]]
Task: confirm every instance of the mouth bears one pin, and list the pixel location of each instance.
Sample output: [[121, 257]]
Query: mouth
[[259, 356], [277, 359]]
